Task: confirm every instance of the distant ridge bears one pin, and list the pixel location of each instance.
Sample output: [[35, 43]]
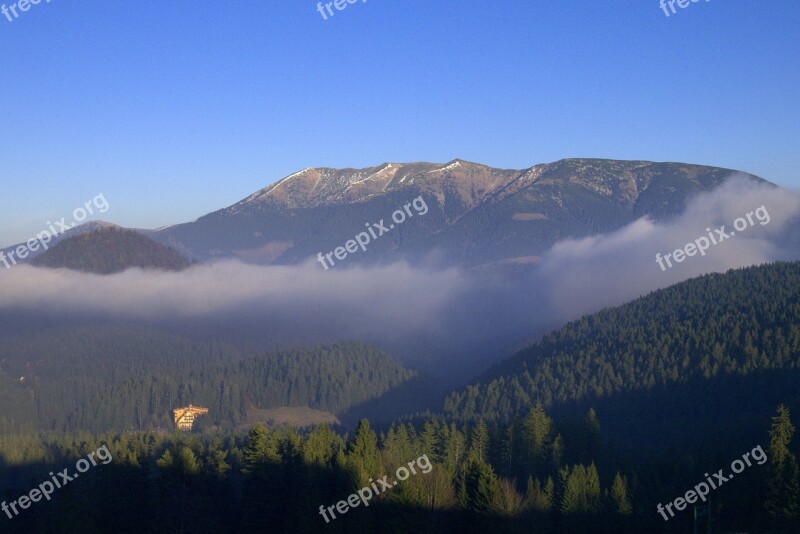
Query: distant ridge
[[478, 214], [109, 250]]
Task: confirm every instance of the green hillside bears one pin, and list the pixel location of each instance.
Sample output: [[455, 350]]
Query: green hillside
[[111, 250], [103, 378], [624, 410], [712, 329]]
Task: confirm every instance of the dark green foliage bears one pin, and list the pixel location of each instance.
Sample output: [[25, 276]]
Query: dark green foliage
[[621, 504], [713, 326], [111, 250], [275, 480], [481, 486], [104, 378], [783, 497], [522, 470], [364, 452]]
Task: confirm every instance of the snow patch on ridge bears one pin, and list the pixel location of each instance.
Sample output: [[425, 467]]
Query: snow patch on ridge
[[448, 167]]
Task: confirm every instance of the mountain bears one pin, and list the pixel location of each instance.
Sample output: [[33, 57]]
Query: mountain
[[736, 323], [84, 228], [724, 348], [110, 250], [473, 214], [714, 359]]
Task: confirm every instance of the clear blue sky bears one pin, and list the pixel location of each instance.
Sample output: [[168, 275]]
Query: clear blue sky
[[176, 109]]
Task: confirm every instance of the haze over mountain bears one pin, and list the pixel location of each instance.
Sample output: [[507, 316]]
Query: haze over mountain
[[425, 315], [84, 228], [478, 214], [475, 214], [131, 345], [731, 336]]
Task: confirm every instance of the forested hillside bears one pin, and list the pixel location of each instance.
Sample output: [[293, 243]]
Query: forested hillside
[[724, 331], [702, 372], [529, 476], [111, 250], [103, 378]]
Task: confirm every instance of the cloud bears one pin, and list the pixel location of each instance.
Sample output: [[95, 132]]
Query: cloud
[[588, 274], [424, 316]]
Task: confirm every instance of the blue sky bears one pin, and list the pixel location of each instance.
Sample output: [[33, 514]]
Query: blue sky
[[172, 110]]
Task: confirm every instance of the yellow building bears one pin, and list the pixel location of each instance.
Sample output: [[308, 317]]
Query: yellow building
[[184, 417]]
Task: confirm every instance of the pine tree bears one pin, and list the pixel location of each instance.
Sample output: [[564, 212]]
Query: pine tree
[[591, 429], [479, 442], [186, 462], [558, 452], [530, 492], [454, 445], [321, 446], [429, 441], [574, 499], [166, 462], [538, 499], [619, 496], [482, 487], [549, 493], [260, 448], [218, 465], [593, 503], [783, 493], [363, 455], [510, 501], [261, 467], [535, 437]]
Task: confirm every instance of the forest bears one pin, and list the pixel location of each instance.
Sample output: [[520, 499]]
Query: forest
[[101, 378], [587, 430], [736, 323], [111, 250], [521, 477]]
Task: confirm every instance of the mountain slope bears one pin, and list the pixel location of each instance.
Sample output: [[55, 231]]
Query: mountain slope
[[118, 377], [84, 228], [111, 250], [739, 324], [477, 214]]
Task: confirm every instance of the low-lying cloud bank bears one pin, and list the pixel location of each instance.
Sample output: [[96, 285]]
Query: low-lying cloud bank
[[422, 315], [606, 270]]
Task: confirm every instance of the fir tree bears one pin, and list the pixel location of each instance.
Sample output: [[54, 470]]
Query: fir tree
[[783, 493]]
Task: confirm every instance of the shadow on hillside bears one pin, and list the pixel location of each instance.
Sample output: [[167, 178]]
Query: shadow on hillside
[[729, 413], [132, 499]]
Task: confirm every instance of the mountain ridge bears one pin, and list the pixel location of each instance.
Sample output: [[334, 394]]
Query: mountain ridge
[[479, 214], [278, 193]]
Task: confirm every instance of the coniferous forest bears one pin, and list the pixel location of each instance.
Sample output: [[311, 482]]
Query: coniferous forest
[[99, 379], [589, 429], [379, 266], [521, 477]]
